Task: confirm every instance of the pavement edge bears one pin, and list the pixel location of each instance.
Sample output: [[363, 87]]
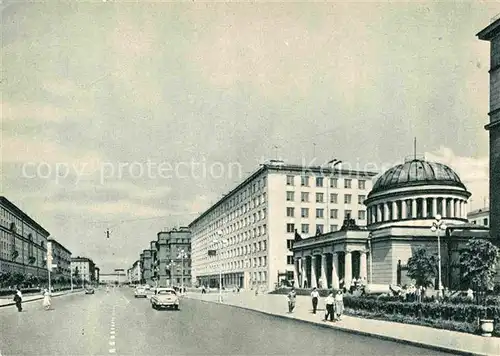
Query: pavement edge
[[353, 331], [37, 299]]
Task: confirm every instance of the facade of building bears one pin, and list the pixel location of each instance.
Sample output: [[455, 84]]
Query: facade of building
[[83, 268], [113, 278], [402, 207], [135, 273], [248, 234], [147, 267], [492, 34], [174, 257], [23, 242], [480, 217], [60, 259], [97, 274]]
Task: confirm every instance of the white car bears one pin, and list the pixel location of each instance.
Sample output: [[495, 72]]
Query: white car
[[165, 298], [140, 292]]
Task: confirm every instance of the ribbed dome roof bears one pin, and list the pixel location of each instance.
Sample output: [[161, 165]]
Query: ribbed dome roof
[[417, 172]]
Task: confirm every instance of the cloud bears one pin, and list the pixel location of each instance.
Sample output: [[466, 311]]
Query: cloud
[[474, 173], [30, 111], [284, 52]]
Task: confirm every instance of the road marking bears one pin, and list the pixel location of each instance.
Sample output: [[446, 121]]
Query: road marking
[[112, 332], [112, 351], [111, 343], [112, 337]]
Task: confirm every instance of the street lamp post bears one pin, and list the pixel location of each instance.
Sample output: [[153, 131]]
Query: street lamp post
[[371, 257], [169, 267], [182, 255], [437, 226], [219, 233]]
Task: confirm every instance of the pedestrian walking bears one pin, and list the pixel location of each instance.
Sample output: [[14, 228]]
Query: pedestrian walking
[[18, 299], [315, 297], [291, 300], [339, 305], [46, 300], [330, 310]]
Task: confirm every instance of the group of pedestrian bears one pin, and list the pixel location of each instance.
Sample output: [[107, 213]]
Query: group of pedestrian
[[46, 303], [334, 306], [334, 303]]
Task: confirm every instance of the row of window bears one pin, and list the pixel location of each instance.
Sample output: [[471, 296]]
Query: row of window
[[238, 198], [304, 229], [320, 213], [320, 197], [333, 182]]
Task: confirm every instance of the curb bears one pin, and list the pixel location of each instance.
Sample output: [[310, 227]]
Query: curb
[[357, 332], [37, 298]]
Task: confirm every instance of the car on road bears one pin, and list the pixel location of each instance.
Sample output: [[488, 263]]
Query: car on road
[[165, 298], [89, 290], [140, 292]]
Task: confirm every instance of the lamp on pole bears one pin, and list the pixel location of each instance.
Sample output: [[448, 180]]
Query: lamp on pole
[[437, 226], [216, 242], [169, 267], [182, 255], [371, 256]]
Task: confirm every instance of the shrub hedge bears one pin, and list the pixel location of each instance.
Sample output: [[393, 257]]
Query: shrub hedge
[[448, 315]]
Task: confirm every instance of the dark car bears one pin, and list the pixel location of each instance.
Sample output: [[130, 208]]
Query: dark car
[[89, 290]]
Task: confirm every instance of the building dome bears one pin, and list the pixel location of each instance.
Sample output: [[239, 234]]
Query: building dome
[[417, 172]]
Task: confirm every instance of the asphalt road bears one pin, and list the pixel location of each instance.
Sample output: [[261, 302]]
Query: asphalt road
[[117, 323]]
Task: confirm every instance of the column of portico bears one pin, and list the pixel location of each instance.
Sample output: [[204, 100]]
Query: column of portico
[[403, 209], [424, 207], [395, 212], [324, 282], [414, 208], [464, 209], [434, 207], [296, 281], [303, 261], [460, 207], [335, 273], [379, 213], [314, 279], [386, 211], [457, 208], [348, 269], [362, 266]]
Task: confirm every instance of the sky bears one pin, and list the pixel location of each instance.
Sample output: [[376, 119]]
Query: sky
[[136, 117]]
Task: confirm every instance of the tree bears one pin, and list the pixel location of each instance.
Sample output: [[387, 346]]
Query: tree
[[478, 260], [423, 267]]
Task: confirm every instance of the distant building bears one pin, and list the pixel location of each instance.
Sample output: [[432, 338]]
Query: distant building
[[492, 34], [113, 278], [402, 206], [83, 268], [60, 260], [248, 234], [135, 272], [480, 217], [147, 267], [173, 270], [23, 242], [97, 274]]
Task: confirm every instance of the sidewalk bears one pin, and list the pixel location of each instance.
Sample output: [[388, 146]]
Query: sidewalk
[[4, 302], [437, 339]]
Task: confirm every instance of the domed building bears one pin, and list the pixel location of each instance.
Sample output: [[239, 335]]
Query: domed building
[[401, 209]]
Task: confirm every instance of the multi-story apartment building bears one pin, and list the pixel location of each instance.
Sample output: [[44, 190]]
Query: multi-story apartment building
[[135, 273], [480, 217], [23, 242], [174, 257], [147, 267], [153, 247], [83, 268], [97, 274], [247, 236], [492, 34], [60, 259]]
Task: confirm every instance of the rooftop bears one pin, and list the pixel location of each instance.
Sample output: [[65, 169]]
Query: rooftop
[[417, 172]]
